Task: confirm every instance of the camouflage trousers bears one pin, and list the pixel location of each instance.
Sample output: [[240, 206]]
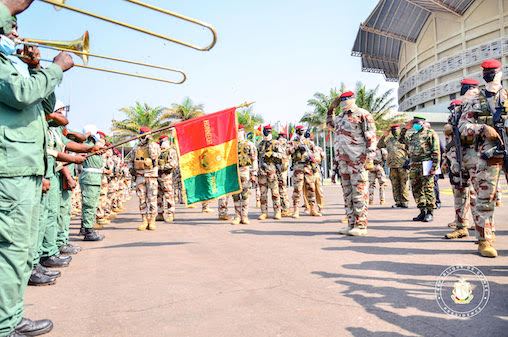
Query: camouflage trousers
[[268, 181], [258, 193], [303, 174], [282, 177], [399, 178], [241, 199], [464, 197], [486, 182], [166, 197], [499, 193], [146, 189], [422, 188], [354, 181], [76, 198], [222, 205], [103, 199], [319, 192], [113, 193], [378, 173]]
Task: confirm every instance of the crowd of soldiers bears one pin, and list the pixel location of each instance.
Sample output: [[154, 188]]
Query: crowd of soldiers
[[49, 173]]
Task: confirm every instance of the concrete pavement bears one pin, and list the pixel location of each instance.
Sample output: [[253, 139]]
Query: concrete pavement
[[204, 277]]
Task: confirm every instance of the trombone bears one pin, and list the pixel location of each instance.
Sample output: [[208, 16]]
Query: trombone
[[61, 4], [81, 47]]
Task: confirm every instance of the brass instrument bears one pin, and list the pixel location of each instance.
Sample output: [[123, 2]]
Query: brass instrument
[[81, 47], [61, 4]]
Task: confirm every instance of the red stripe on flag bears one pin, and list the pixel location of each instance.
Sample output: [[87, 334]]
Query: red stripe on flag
[[205, 131]]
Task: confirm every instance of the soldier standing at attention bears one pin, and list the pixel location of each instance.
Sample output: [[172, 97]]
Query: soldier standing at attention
[[480, 114], [396, 158], [423, 146], [168, 160], [146, 169], [355, 132], [282, 174], [269, 152], [319, 156], [304, 168], [378, 173], [248, 167]]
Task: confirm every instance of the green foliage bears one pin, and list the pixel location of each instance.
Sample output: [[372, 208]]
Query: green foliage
[[138, 116], [248, 118], [185, 111]]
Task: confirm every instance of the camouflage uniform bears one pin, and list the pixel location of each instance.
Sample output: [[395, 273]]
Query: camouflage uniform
[[168, 161], [319, 155], [282, 176], [144, 162], [355, 143], [475, 115], [304, 170], [396, 158], [177, 183], [422, 146], [269, 152], [378, 173], [247, 162]]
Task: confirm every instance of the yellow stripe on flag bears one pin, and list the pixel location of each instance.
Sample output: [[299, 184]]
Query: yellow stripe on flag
[[210, 159]]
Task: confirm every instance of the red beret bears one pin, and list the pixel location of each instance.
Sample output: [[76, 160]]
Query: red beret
[[470, 81], [144, 129], [395, 126], [489, 64], [163, 136], [101, 133], [240, 126], [347, 94], [299, 127], [456, 102], [268, 127], [108, 144]]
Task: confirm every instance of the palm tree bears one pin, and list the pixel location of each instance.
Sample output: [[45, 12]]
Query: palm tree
[[185, 111], [248, 118], [320, 104], [138, 116]]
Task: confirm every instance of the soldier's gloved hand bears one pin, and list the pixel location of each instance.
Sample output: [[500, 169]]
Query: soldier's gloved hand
[[369, 165], [490, 133]]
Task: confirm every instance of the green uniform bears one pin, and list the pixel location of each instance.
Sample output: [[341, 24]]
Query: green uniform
[[90, 182], [422, 146], [64, 216], [397, 156], [22, 152]]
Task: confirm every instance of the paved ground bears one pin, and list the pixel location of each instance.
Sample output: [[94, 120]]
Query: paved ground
[[202, 277]]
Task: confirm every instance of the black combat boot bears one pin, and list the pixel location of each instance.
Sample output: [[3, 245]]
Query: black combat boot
[[82, 230], [56, 261], [69, 250], [28, 327], [92, 235], [39, 279], [420, 216], [48, 272], [428, 216]]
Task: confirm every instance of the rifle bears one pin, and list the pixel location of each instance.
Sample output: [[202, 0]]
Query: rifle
[[496, 111], [456, 140]]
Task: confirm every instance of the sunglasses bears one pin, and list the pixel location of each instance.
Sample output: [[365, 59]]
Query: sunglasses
[[344, 98]]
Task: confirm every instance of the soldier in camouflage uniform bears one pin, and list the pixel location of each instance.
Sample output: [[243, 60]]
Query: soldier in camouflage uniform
[[145, 168], [102, 214], [168, 160], [423, 145], [464, 195], [282, 174], [477, 120], [248, 167], [355, 142], [319, 156], [378, 173], [304, 170], [269, 152], [396, 158]]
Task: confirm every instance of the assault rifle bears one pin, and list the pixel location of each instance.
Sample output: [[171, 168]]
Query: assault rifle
[[496, 111], [458, 146]]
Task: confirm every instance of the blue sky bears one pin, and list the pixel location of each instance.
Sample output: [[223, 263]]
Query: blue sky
[[277, 53]]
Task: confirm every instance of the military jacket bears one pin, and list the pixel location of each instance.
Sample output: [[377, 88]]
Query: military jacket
[[422, 146], [149, 152], [355, 134], [396, 151], [168, 160], [247, 154], [92, 169], [269, 151], [299, 154]]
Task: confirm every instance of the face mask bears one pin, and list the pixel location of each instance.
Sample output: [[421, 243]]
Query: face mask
[[470, 93], [267, 132], [307, 134], [347, 105], [165, 145], [395, 132], [7, 46], [417, 127], [495, 85], [464, 89], [489, 77]]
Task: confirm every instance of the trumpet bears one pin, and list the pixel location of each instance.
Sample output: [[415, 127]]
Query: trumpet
[[81, 48], [61, 4]]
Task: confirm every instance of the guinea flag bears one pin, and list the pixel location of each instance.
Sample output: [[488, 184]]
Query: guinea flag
[[208, 152]]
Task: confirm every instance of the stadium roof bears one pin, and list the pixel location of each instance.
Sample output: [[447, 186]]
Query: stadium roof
[[380, 37]]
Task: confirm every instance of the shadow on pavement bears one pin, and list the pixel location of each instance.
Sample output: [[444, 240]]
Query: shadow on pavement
[[410, 304], [144, 244], [397, 250], [294, 233]]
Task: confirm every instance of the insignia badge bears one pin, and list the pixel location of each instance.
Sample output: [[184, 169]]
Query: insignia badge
[[462, 292]]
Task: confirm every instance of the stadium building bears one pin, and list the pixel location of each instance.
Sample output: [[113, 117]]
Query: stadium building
[[429, 46]]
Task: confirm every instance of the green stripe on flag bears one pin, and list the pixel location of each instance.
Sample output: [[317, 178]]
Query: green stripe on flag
[[212, 185]]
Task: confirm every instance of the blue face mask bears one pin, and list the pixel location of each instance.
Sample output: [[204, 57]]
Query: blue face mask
[[7, 46], [417, 127]]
